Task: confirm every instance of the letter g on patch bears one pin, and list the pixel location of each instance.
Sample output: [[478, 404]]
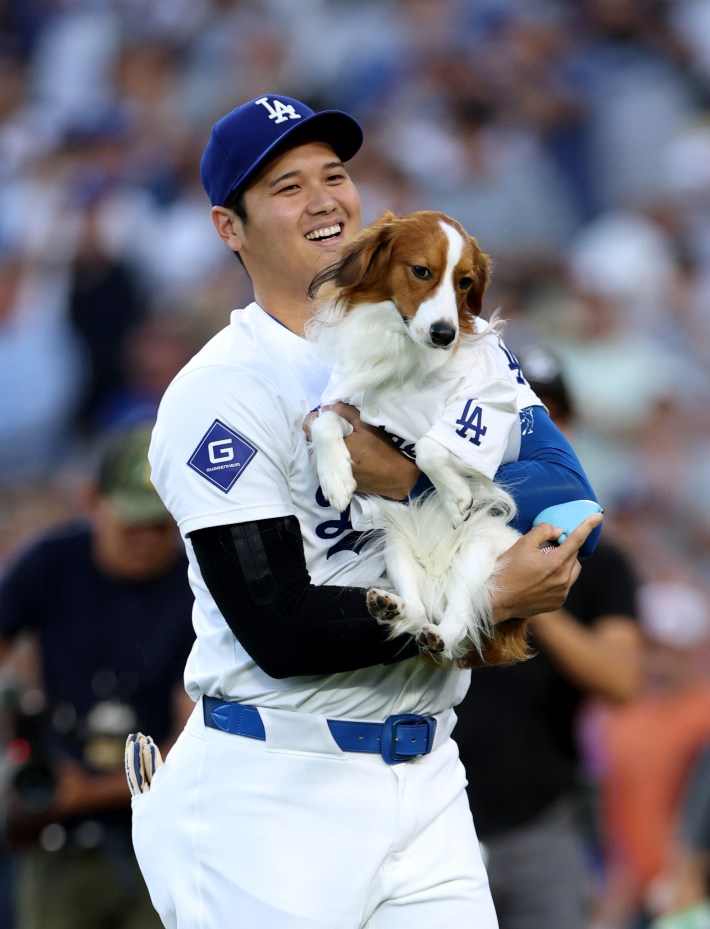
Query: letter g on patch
[[221, 456]]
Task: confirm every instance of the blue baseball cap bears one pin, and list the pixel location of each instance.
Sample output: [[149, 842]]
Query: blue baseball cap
[[253, 134]]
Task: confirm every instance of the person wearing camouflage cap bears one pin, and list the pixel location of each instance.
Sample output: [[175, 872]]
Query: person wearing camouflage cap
[[106, 600]]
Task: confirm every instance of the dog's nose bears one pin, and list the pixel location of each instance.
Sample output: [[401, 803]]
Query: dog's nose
[[442, 333]]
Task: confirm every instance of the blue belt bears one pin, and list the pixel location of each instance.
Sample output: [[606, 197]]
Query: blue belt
[[400, 738]]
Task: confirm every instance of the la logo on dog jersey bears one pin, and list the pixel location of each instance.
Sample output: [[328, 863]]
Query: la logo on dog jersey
[[221, 456], [278, 111]]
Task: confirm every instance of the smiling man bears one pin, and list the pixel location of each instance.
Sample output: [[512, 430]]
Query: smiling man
[[316, 784]]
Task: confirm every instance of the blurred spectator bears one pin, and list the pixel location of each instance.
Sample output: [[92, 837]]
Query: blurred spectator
[[540, 75], [603, 325], [686, 884], [105, 306], [73, 57], [26, 510], [626, 256], [41, 367], [107, 606], [647, 751], [508, 189], [516, 728], [638, 95], [153, 353]]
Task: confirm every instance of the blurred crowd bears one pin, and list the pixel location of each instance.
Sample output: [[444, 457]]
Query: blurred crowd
[[571, 137]]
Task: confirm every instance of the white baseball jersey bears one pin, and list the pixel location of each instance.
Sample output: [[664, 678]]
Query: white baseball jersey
[[363, 846], [228, 446], [471, 406]]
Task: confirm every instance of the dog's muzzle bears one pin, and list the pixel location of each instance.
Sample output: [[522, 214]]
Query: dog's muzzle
[[441, 333]]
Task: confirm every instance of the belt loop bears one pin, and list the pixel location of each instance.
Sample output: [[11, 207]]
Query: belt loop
[[235, 718]]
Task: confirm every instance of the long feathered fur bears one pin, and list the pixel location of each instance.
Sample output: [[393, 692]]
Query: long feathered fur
[[451, 558], [361, 331], [371, 348]]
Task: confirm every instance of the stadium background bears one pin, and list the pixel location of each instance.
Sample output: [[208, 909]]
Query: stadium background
[[572, 138]]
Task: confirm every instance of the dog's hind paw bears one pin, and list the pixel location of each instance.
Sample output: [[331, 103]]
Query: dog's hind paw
[[430, 640], [384, 606]]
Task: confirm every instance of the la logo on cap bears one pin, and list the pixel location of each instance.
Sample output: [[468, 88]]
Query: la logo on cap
[[278, 111], [251, 135]]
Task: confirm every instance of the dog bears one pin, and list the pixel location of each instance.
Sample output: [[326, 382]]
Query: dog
[[399, 314]]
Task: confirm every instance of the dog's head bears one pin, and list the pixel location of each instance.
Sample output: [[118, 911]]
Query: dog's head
[[426, 264]]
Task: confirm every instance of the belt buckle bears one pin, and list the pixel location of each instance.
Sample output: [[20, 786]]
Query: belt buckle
[[395, 740]]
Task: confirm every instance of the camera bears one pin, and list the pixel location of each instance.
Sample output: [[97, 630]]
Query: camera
[[28, 776]]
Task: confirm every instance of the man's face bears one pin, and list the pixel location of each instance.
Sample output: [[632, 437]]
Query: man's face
[[301, 212], [131, 552]]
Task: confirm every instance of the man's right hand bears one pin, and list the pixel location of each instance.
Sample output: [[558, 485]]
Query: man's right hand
[[531, 581], [378, 466]]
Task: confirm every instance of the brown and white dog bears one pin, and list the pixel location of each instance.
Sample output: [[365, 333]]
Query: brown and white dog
[[400, 304]]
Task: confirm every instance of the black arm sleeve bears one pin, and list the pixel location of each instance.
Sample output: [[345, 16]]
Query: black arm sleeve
[[256, 573]]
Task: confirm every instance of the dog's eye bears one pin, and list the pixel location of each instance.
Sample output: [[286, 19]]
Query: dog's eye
[[424, 274], [465, 283]]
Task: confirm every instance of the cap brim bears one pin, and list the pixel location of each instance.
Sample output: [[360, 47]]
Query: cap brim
[[138, 509], [333, 127]]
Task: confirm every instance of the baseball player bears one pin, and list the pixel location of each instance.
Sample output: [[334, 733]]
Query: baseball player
[[316, 784]]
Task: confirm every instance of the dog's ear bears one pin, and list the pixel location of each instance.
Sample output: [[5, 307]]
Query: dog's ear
[[483, 266], [387, 216], [366, 259], [363, 262]]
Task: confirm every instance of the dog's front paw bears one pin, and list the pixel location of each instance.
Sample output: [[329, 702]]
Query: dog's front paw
[[333, 461], [338, 489], [430, 640], [458, 506]]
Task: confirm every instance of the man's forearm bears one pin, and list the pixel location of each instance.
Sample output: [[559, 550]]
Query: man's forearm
[[379, 468], [604, 659]]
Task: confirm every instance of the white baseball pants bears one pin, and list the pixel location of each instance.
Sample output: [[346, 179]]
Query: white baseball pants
[[293, 833]]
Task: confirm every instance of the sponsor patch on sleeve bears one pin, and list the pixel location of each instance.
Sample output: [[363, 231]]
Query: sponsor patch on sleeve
[[222, 456]]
